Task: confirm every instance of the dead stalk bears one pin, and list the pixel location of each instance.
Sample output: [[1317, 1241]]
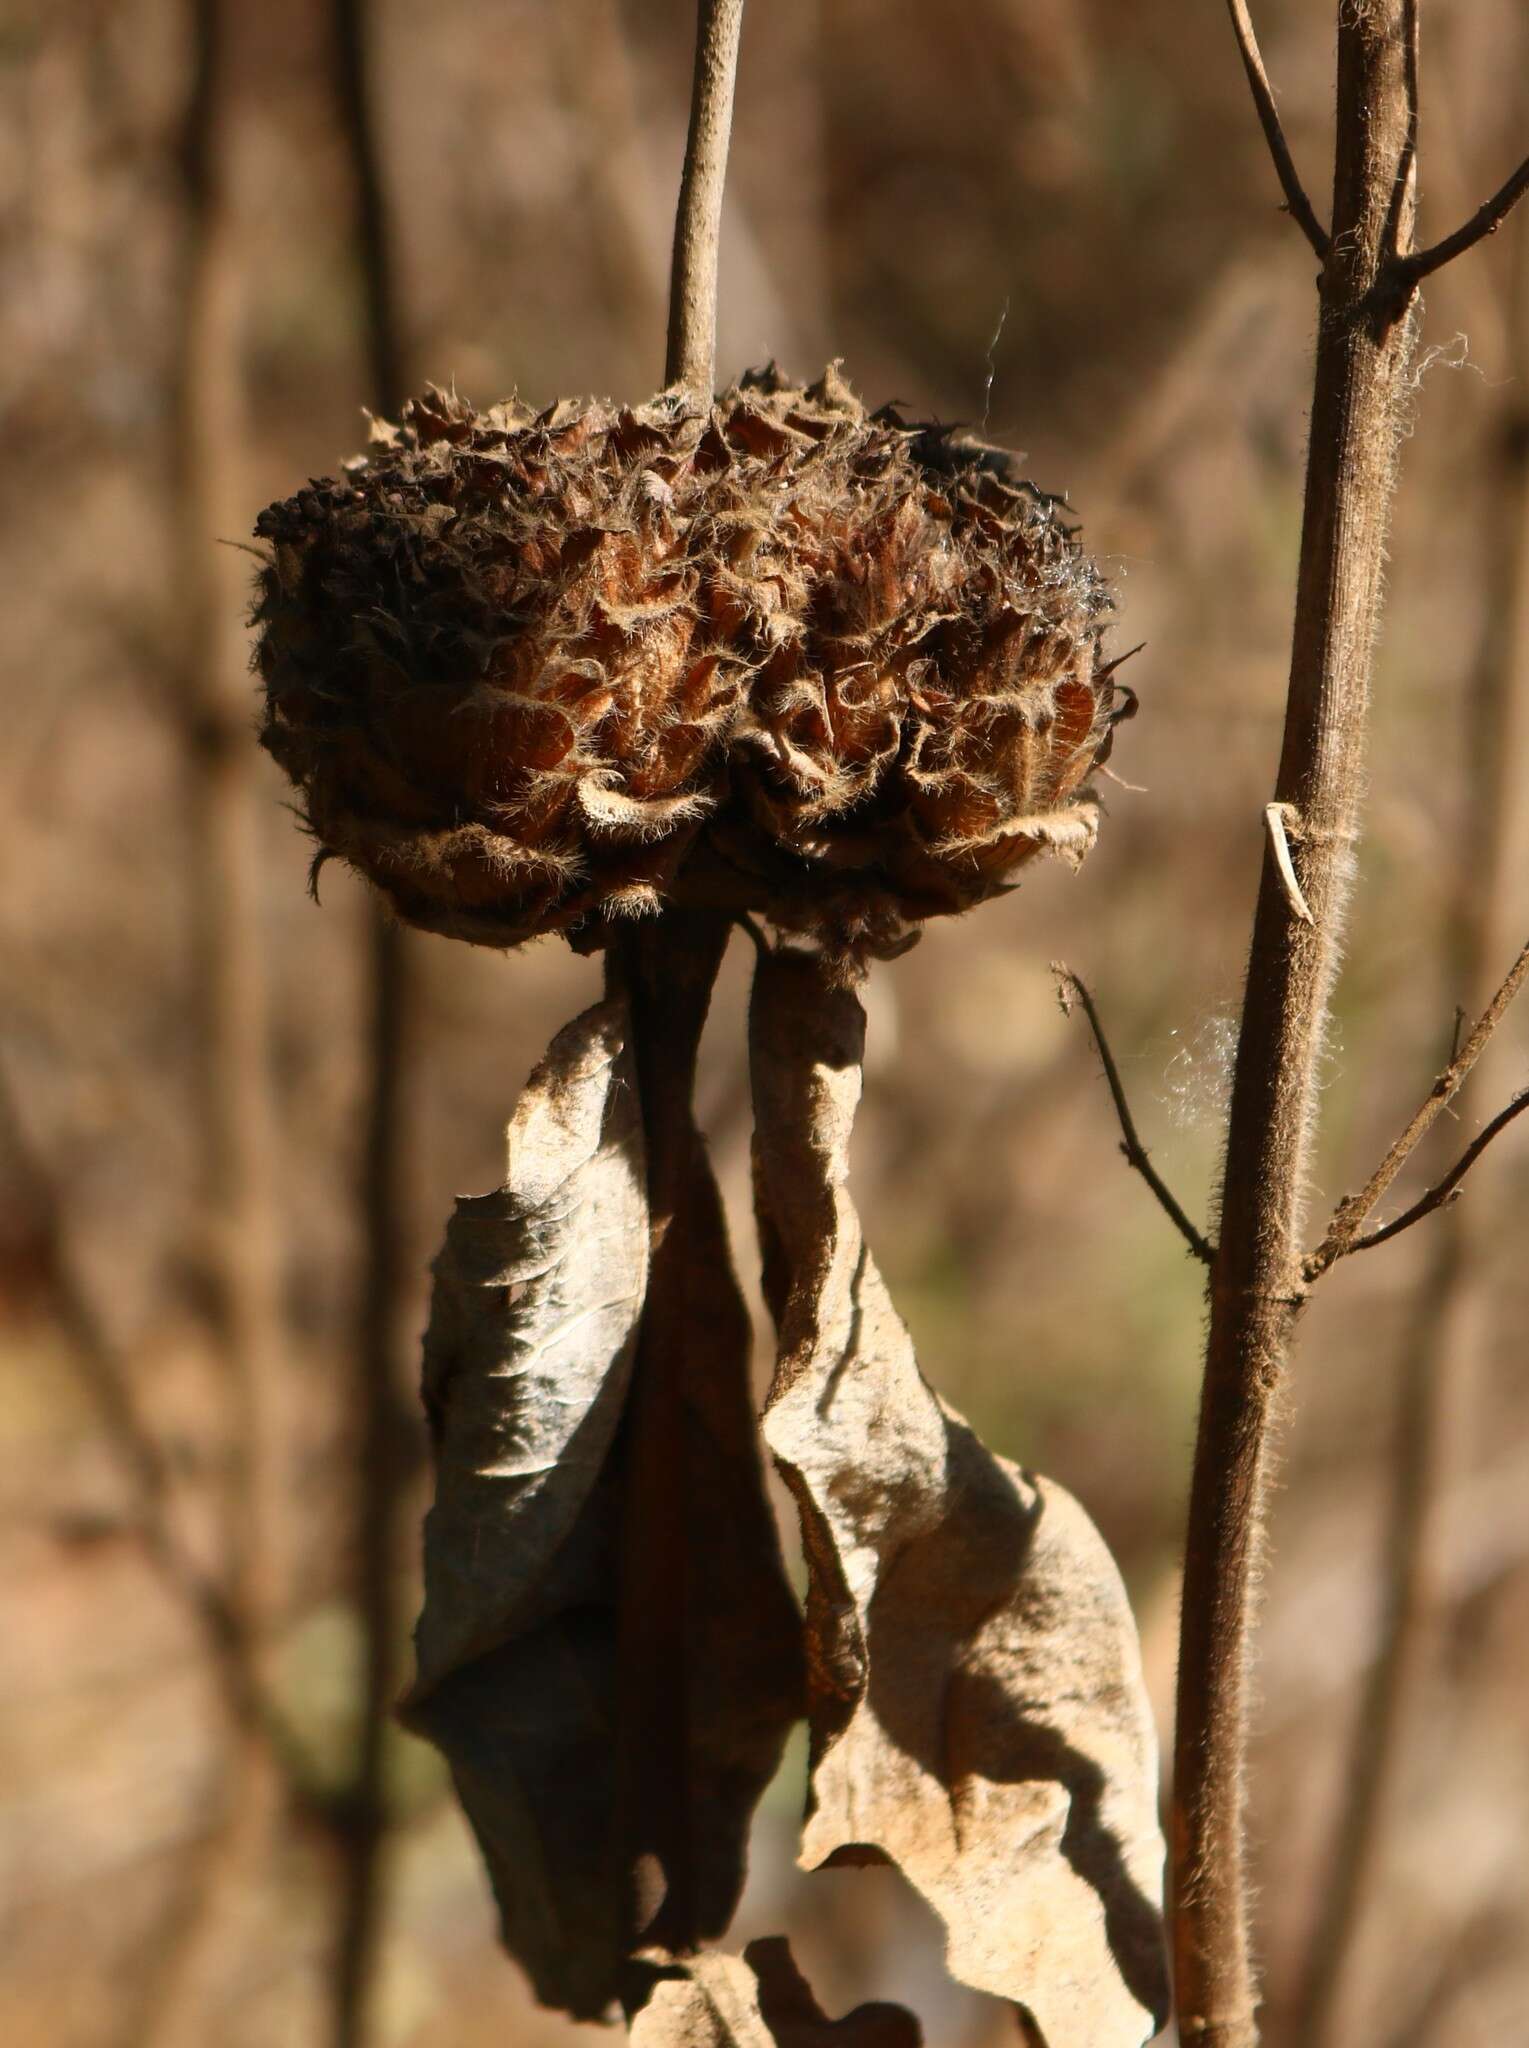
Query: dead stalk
[[1256, 1287], [379, 1493], [1259, 1279], [230, 993], [227, 807], [1451, 1309], [668, 970], [692, 352]]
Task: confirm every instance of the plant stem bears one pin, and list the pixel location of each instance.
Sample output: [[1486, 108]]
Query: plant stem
[[1451, 1316], [379, 1462], [1256, 1290], [230, 1001], [667, 970], [235, 1117], [692, 357]]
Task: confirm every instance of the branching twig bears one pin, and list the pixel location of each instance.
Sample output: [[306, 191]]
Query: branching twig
[[1297, 204], [692, 353], [1448, 1189], [1486, 220], [1131, 1146], [1348, 1218]]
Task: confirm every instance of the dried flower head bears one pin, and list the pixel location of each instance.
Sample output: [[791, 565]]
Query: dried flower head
[[534, 672]]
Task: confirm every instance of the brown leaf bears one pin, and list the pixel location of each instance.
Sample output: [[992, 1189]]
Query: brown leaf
[[759, 2000], [975, 1693], [609, 1655], [528, 1358], [712, 1636]]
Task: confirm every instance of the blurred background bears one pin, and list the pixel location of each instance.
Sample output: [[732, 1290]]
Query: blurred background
[[232, 1121]]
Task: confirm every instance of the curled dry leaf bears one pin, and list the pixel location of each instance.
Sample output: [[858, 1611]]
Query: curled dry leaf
[[759, 2000], [535, 1673], [976, 1702], [711, 1633]]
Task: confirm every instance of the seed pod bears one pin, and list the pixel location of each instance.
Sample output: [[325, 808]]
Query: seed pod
[[533, 672], [486, 666]]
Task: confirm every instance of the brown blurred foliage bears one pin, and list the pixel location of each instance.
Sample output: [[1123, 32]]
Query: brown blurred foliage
[[1057, 219]]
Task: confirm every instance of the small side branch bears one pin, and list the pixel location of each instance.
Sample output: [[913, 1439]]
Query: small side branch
[[1486, 220], [1297, 204], [692, 357], [1068, 987], [1277, 820], [1348, 1219], [1448, 1189]]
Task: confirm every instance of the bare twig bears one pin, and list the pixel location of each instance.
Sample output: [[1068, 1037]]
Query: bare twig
[[1135, 1152], [1447, 1190], [692, 356], [1297, 204], [1349, 1217], [363, 1817], [1486, 220]]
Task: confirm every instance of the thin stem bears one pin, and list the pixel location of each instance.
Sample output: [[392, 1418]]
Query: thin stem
[[379, 1461], [1451, 1318], [1443, 1191], [667, 970], [1299, 206], [1135, 1152], [237, 1211], [235, 1117], [1256, 1291], [1486, 220], [1404, 186], [1348, 1218], [692, 357]]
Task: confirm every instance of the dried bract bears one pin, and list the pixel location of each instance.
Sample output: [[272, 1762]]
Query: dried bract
[[537, 672]]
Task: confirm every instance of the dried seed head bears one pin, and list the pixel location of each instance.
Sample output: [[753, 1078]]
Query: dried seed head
[[532, 672]]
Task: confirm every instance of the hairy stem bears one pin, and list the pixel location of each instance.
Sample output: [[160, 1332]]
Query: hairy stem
[[1451, 1315], [1256, 1289], [692, 358]]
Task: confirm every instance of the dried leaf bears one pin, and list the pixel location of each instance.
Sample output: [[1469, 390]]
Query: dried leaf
[[712, 1635], [579, 1651], [759, 2000], [977, 1707], [528, 1357]]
